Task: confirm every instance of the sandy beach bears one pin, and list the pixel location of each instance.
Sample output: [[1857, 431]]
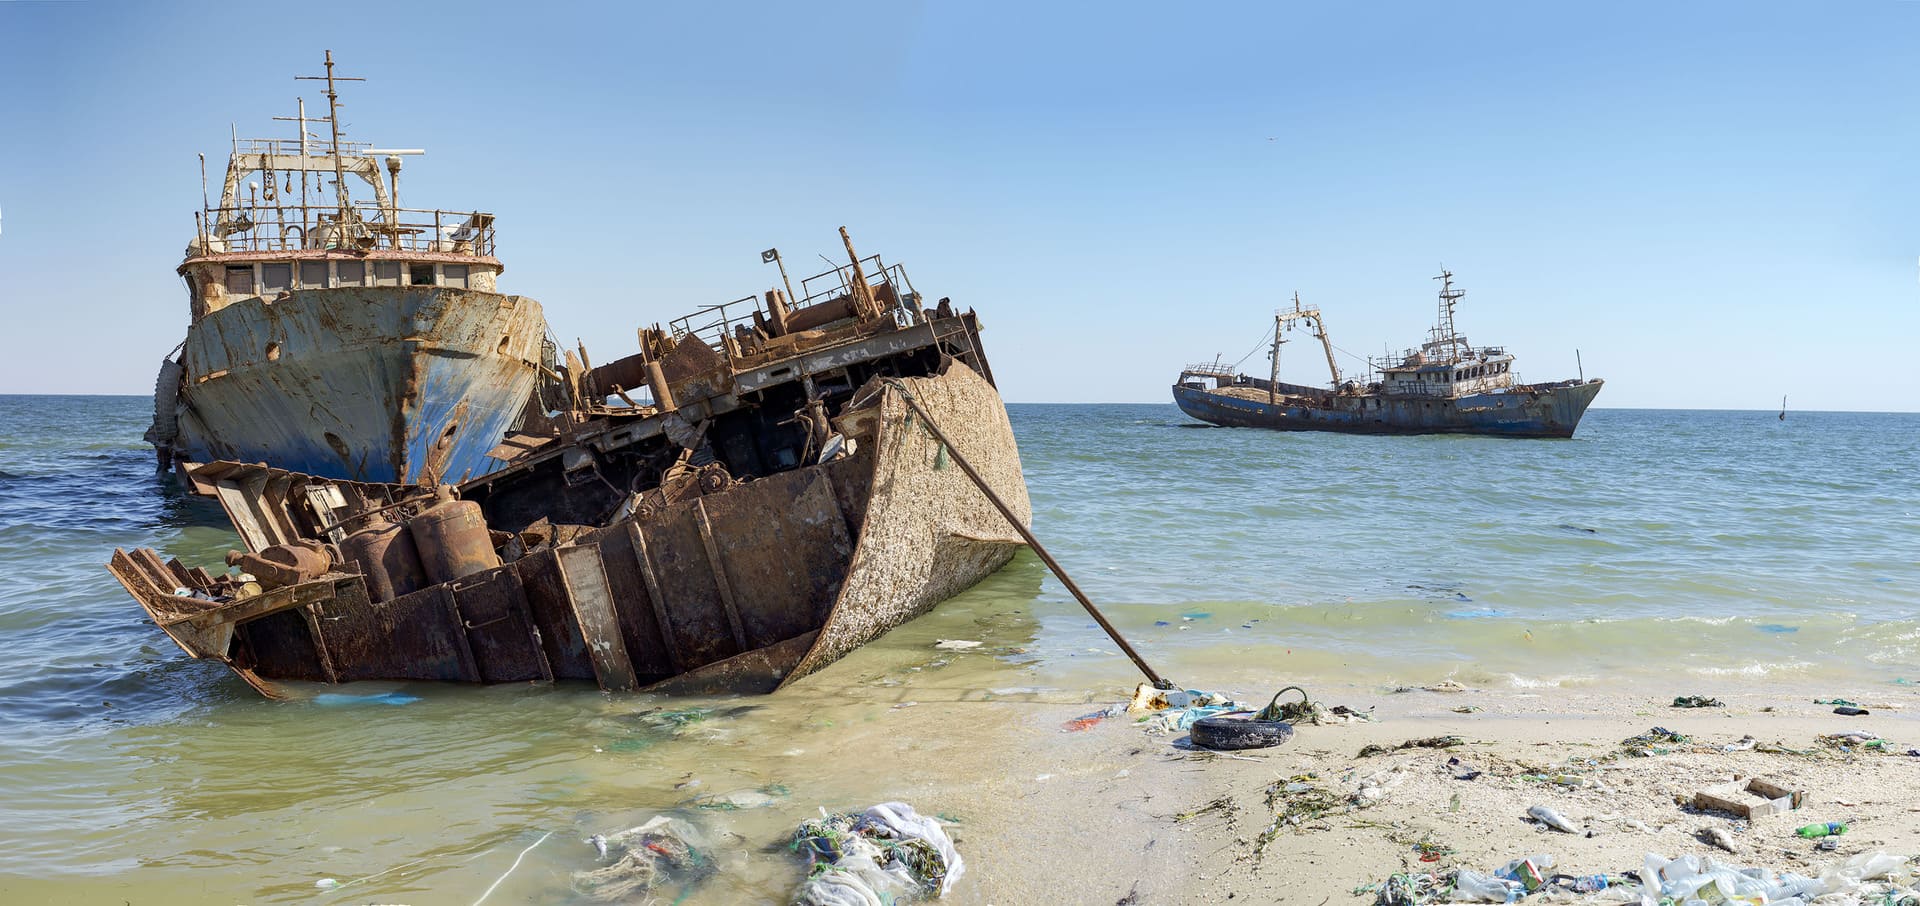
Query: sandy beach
[[1116, 814]]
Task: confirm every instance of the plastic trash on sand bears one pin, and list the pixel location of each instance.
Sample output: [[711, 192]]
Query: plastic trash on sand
[[1174, 710], [1470, 886], [664, 851], [886, 854]]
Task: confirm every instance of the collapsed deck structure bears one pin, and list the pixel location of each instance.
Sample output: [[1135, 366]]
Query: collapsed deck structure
[[739, 504]]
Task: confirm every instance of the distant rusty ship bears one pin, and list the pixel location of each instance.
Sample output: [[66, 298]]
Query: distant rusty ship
[[343, 338], [1446, 386]]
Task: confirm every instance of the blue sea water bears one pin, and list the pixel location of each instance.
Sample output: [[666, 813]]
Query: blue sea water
[[1685, 549]]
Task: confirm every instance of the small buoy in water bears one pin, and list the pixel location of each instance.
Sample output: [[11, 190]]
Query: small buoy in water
[[326, 883]]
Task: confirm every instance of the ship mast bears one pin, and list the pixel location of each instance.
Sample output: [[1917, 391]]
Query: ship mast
[[1443, 332], [333, 120], [305, 152]]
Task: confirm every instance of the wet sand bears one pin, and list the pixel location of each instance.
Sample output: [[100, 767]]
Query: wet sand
[[1114, 814]]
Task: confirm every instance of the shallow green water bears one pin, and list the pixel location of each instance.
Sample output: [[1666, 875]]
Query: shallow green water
[[1688, 549]]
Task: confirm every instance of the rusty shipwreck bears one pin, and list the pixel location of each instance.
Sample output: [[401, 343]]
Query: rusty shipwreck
[[740, 503], [1446, 386], [340, 336]]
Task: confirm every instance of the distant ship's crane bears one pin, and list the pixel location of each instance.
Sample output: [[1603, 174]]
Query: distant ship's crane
[[1283, 322]]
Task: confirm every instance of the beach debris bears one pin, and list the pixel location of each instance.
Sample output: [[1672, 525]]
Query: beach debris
[[1308, 711], [1654, 742], [1821, 829], [663, 851], [1717, 837], [739, 800], [886, 854], [1084, 722], [1836, 701], [1222, 805], [1446, 686], [1697, 701], [1229, 733], [1848, 711], [955, 644], [1552, 819], [1746, 743], [1176, 710], [1750, 798], [1873, 877], [1530, 873], [1467, 709], [1427, 742]]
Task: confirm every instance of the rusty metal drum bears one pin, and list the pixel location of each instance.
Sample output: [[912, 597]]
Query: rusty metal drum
[[452, 540], [385, 555]]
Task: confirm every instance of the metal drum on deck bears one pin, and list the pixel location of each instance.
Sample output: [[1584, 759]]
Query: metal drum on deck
[[452, 540], [385, 555]]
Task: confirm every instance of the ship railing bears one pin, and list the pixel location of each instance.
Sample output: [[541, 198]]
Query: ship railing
[[1210, 369], [281, 228], [713, 323], [315, 147]]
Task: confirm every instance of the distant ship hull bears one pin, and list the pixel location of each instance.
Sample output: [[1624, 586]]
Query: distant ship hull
[[1535, 410], [373, 384]]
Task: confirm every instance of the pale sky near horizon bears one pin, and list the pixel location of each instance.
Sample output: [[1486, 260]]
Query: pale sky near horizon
[[1714, 202]]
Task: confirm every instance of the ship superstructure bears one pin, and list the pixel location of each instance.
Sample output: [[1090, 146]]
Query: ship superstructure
[[343, 335]]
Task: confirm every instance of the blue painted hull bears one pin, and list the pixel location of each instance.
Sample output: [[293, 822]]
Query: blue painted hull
[[1541, 410], [376, 384]]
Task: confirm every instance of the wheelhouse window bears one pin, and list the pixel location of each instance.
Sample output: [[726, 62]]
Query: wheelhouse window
[[313, 274], [350, 273], [422, 275], [386, 273], [453, 275], [276, 277], [240, 279]]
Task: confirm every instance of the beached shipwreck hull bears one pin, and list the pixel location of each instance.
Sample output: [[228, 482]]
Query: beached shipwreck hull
[[1528, 410], [746, 586]]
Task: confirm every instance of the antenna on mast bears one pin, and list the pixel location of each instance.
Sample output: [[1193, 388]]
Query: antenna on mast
[[1443, 332], [333, 119]]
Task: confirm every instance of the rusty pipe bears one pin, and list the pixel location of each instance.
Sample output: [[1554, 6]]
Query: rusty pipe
[[657, 382]]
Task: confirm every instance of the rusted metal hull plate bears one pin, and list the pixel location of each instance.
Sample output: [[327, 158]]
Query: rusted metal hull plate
[[929, 532], [392, 384]]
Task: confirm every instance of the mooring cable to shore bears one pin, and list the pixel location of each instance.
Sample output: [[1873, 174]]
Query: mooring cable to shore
[[933, 428]]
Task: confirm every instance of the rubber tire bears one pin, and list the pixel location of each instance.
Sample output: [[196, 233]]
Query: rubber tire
[[1238, 733]]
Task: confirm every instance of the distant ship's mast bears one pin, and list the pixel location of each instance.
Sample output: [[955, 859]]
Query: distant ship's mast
[[1443, 333]]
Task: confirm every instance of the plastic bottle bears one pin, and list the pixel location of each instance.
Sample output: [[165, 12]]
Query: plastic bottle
[[1474, 887], [1590, 884], [1830, 828]]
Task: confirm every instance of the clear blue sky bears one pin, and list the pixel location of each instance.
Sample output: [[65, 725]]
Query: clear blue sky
[[1714, 201]]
